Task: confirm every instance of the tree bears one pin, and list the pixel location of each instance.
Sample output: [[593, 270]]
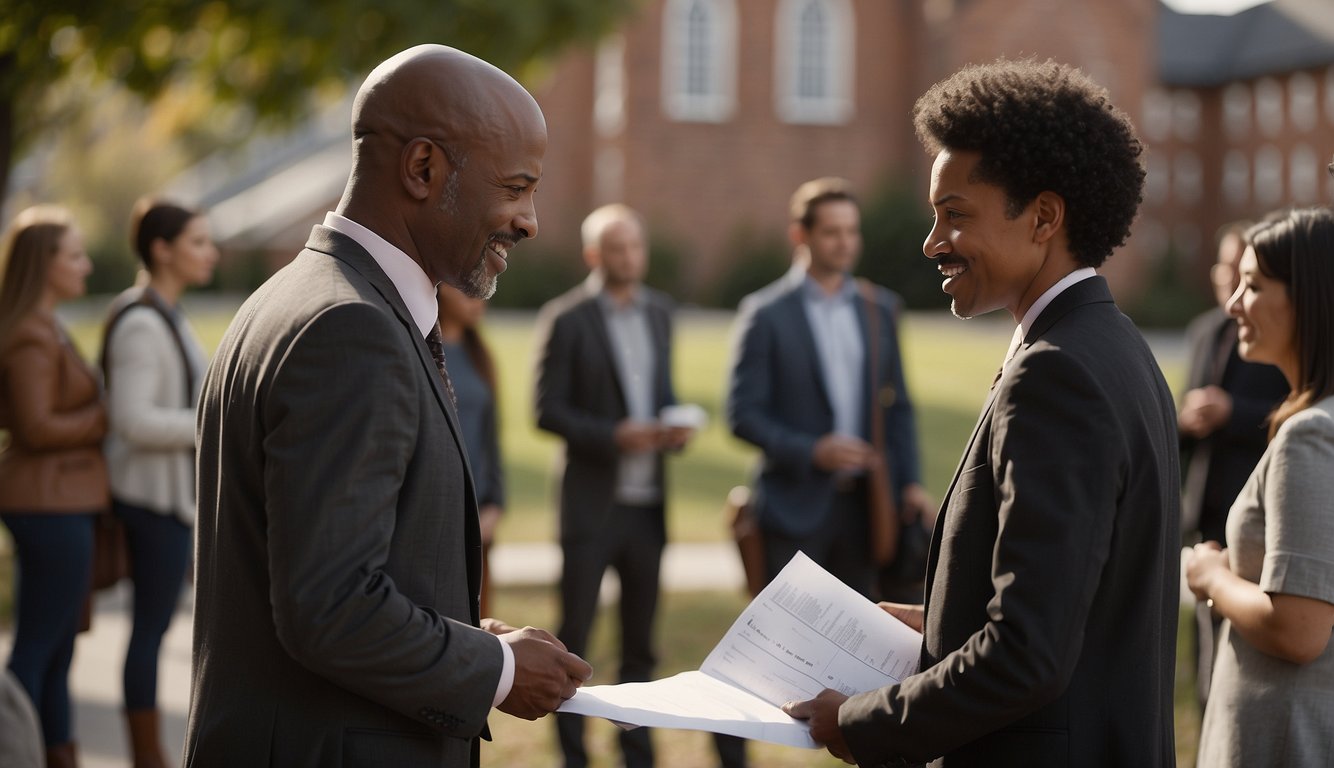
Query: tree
[[263, 54]]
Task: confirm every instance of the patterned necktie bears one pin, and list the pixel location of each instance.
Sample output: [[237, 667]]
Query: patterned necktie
[[437, 347]]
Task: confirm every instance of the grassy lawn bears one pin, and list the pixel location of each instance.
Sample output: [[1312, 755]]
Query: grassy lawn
[[950, 365]]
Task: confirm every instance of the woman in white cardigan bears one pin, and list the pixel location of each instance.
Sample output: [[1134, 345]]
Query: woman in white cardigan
[[154, 365]]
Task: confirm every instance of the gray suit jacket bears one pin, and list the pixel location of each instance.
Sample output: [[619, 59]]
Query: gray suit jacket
[[338, 551], [778, 401], [1051, 598], [580, 398]]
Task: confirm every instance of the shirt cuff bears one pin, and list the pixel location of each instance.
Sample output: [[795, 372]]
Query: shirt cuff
[[506, 674]]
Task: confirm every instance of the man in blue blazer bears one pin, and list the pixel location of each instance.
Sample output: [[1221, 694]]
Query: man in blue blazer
[[799, 392], [1049, 627]]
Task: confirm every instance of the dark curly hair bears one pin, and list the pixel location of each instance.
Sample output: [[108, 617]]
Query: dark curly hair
[[1042, 126]]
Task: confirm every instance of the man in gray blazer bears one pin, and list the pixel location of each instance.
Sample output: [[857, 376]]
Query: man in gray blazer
[[338, 552], [603, 377], [1049, 629]]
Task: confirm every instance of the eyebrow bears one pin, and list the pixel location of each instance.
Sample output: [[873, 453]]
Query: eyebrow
[[946, 198], [531, 179]]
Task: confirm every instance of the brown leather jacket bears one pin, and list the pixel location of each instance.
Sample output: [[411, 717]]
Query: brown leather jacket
[[52, 407]]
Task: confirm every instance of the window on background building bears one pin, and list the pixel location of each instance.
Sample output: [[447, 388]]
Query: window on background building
[[1304, 171], [813, 61], [1187, 177], [1152, 237], [609, 86], [1329, 94], [1157, 114], [1157, 179], [1186, 115], [699, 60], [1269, 106], [1268, 175], [1237, 110], [1301, 101], [1237, 178]]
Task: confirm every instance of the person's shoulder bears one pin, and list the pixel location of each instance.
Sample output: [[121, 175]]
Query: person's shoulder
[[567, 302], [885, 298], [35, 329], [659, 299], [1205, 322], [1314, 422]]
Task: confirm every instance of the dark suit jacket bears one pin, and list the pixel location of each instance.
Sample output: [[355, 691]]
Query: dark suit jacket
[[580, 398], [777, 401], [338, 550], [1051, 598], [1230, 453]]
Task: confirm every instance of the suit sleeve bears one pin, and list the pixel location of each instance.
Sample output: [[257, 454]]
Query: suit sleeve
[[137, 366], [557, 411], [33, 377], [337, 449], [750, 395], [900, 417], [1058, 460]]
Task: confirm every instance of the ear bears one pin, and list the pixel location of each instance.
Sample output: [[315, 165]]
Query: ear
[[1049, 213], [796, 233], [417, 167], [159, 252], [592, 259]]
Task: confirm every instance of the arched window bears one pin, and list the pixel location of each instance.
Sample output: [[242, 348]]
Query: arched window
[[1237, 178], [813, 57], [699, 60]]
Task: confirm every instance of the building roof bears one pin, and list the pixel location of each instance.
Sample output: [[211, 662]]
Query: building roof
[[1202, 50]]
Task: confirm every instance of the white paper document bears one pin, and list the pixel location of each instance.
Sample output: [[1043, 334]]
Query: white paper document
[[806, 631]]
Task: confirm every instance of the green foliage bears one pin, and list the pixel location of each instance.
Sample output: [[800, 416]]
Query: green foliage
[[756, 260], [1168, 300], [264, 54], [895, 220]]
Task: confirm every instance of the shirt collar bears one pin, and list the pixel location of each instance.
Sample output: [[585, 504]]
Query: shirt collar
[[407, 276], [596, 286], [1031, 316], [813, 291]]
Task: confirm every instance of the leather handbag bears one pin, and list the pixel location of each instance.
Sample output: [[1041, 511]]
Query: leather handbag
[[883, 518], [111, 552], [749, 539]]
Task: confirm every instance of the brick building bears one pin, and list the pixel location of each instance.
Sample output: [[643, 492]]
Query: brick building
[[706, 114]]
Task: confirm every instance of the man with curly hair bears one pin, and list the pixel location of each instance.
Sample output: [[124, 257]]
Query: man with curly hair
[[1049, 626]]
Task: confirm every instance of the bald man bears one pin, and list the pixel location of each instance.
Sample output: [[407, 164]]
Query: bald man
[[338, 554]]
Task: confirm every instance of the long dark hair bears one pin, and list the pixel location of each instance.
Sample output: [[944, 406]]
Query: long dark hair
[[480, 356], [32, 241], [1297, 249]]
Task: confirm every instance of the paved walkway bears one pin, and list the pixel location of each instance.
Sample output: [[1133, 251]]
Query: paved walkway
[[95, 676]]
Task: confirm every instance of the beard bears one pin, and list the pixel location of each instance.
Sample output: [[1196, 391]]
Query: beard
[[479, 284]]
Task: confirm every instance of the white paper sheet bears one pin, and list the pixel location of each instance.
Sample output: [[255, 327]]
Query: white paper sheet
[[806, 631]]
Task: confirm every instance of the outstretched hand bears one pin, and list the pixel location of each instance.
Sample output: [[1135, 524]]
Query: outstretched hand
[[545, 674], [822, 713]]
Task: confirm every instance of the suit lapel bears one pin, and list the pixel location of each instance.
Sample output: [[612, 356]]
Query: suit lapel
[[793, 313], [347, 250], [593, 318]]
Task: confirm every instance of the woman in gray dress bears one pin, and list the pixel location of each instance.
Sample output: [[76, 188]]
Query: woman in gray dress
[[1272, 701]]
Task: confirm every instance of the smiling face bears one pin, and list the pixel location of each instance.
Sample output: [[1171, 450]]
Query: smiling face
[[1266, 319], [68, 269], [990, 260]]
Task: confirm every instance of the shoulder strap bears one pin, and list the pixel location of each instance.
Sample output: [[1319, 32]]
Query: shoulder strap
[[146, 298], [873, 364]]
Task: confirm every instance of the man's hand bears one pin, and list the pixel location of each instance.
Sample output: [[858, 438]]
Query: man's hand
[[916, 503], [841, 453], [637, 436], [489, 517], [676, 438], [498, 627], [907, 613], [1204, 411], [545, 674], [822, 713]]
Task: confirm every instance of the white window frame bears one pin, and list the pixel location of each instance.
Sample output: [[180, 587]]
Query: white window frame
[[716, 103], [835, 106]]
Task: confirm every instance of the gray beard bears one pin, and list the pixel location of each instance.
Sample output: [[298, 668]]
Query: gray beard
[[477, 284]]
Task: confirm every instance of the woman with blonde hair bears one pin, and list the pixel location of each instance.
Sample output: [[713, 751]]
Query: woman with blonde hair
[[154, 366], [1272, 695], [53, 478]]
